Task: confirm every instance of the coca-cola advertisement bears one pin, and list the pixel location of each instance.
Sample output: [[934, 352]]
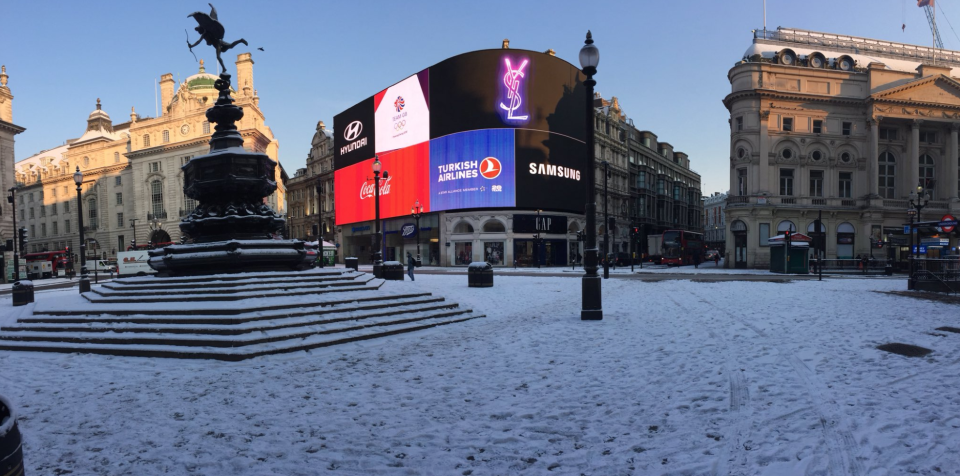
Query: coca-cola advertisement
[[408, 180]]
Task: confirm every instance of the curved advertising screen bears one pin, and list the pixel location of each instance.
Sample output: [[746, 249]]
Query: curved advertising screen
[[487, 129]]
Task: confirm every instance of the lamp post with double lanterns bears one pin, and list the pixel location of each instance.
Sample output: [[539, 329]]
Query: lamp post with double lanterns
[[918, 200], [416, 210], [84, 279], [319, 185], [591, 296], [377, 254]]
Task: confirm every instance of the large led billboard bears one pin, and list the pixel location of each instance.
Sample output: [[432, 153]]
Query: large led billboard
[[489, 129]]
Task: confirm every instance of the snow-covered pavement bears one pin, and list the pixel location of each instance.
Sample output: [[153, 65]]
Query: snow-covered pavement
[[680, 377]]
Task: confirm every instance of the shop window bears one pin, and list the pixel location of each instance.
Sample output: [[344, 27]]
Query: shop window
[[764, 234], [463, 253], [493, 252]]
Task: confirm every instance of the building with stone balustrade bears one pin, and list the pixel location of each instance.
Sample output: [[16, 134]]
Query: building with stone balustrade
[[845, 127]]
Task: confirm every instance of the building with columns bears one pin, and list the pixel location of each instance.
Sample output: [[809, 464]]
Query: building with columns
[[133, 186], [302, 219], [7, 132], [845, 127]]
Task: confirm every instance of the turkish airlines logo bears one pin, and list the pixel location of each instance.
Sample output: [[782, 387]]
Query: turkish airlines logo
[[490, 168], [353, 130]]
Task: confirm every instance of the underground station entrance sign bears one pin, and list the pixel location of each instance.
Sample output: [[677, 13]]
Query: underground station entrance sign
[[948, 223], [498, 128]]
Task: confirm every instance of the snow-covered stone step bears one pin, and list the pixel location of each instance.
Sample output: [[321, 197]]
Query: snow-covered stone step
[[238, 353], [253, 337], [198, 290], [254, 276], [270, 322], [166, 284], [360, 283]]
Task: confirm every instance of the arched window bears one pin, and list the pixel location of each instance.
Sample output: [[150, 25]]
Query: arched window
[[846, 234], [926, 173], [463, 227], [166, 136], [146, 140], [887, 173], [156, 198], [786, 225], [493, 226]]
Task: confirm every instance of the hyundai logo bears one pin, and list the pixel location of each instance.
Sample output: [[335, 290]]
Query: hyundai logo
[[353, 130]]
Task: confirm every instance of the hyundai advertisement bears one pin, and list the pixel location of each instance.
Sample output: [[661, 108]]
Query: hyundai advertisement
[[488, 129]]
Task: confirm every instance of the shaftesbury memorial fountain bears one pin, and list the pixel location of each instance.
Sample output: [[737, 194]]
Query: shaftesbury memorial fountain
[[232, 229]]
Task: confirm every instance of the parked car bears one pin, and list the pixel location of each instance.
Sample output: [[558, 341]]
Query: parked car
[[711, 255]]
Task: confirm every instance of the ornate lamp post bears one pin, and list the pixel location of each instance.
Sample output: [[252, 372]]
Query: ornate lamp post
[[377, 254], [84, 279], [320, 218], [918, 200], [133, 242], [606, 222], [416, 210], [12, 198], [592, 299]]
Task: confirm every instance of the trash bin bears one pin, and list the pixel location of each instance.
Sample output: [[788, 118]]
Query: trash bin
[[888, 269], [11, 450], [22, 292], [352, 263], [480, 275], [392, 270]]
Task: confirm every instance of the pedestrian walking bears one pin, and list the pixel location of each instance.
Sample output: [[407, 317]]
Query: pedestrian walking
[[716, 259], [411, 263], [696, 260]]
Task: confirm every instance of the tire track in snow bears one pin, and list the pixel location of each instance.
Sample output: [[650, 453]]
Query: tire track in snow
[[843, 449]]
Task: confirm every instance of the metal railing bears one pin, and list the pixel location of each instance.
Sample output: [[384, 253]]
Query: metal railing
[[933, 273], [160, 216], [858, 45], [872, 266]]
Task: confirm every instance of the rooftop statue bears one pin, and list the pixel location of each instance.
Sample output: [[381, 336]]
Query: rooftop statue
[[212, 32]]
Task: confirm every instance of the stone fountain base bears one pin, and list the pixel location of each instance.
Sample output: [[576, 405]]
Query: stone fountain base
[[233, 256]]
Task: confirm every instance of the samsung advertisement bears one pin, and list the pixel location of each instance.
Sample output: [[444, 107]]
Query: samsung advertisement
[[487, 129]]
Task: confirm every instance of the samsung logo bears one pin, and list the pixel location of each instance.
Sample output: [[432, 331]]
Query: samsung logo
[[554, 170]]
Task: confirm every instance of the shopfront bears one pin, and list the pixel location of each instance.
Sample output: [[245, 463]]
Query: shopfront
[[400, 235]]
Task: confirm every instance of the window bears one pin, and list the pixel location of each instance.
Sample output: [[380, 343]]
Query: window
[[66, 226], [43, 210], [31, 213], [156, 197], [146, 140], [55, 232], [121, 243], [787, 153], [185, 159], [816, 183], [764, 234], [116, 157], [846, 184], [786, 181], [166, 136], [117, 181], [189, 205], [120, 220], [927, 173], [817, 126], [463, 227], [928, 137], [31, 197], [23, 214], [741, 152], [53, 209], [741, 182], [66, 207], [464, 253], [888, 133], [119, 198], [641, 180], [54, 191], [787, 124], [887, 173], [86, 162], [92, 210], [33, 230], [845, 157], [155, 167], [206, 127], [43, 230], [847, 127], [493, 226], [739, 123], [493, 252]]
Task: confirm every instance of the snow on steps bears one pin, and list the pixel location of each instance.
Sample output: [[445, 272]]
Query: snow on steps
[[229, 317]]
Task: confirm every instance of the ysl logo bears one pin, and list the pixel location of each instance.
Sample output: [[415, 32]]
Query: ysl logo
[[512, 81]]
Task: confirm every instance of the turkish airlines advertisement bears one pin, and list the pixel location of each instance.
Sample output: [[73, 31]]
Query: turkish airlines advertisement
[[402, 113], [473, 169], [408, 180]]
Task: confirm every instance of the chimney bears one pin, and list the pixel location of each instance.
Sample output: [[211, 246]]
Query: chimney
[[506, 44], [245, 74], [166, 92], [6, 99]]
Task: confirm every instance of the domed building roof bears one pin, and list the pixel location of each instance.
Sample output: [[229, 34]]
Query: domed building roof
[[201, 80], [99, 126]]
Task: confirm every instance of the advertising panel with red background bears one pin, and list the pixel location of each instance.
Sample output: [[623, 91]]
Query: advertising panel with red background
[[408, 180]]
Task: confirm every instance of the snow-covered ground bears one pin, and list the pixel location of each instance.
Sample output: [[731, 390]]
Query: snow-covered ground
[[680, 377]]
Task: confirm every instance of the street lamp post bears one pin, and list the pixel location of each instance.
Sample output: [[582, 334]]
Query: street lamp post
[[416, 210], [918, 200], [537, 240], [320, 218], [84, 279], [377, 254], [16, 257], [133, 242], [591, 296], [606, 222]]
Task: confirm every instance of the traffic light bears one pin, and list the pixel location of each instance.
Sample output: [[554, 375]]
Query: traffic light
[[22, 235], [786, 236]]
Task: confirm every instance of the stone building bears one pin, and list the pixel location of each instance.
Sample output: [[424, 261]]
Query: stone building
[[845, 126], [7, 132], [133, 185], [302, 220], [714, 224]]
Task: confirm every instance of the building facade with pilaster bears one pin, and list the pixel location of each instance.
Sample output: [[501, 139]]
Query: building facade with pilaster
[[8, 131], [845, 128]]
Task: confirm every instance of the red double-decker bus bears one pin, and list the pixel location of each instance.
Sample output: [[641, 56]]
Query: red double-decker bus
[[679, 247], [58, 260]]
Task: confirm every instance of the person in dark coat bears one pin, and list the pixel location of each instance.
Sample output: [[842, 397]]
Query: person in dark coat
[[696, 260], [411, 263]]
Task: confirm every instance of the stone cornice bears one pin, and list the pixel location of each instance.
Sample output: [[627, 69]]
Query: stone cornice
[[770, 94], [915, 84], [166, 148], [9, 127]]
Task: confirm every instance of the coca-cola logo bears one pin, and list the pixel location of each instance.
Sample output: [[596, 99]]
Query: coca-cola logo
[[366, 190]]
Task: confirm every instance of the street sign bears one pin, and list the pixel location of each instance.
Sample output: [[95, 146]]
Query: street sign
[[906, 229], [947, 223], [923, 249]]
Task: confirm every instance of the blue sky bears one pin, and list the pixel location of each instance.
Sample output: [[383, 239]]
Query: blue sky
[[666, 61]]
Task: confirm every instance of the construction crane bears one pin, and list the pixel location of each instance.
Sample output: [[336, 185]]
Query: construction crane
[[927, 6]]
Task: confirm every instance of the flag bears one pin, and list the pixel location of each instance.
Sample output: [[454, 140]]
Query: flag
[[924, 3]]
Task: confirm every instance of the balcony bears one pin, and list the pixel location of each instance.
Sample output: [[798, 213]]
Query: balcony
[[158, 216]]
